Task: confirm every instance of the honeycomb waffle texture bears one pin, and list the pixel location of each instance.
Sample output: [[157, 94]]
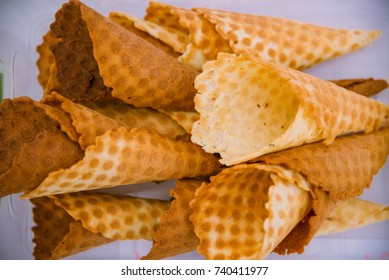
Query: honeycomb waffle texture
[[56, 234], [343, 169], [172, 37], [88, 123], [175, 234], [127, 22], [291, 43], [31, 146], [114, 216], [204, 42], [138, 73], [77, 70], [250, 107], [128, 157], [184, 119], [246, 210], [132, 117]]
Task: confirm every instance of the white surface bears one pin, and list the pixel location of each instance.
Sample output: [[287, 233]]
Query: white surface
[[24, 22]]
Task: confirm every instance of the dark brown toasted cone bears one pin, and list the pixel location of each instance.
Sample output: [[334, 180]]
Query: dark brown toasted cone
[[366, 87], [32, 145], [175, 234], [77, 70], [57, 234]]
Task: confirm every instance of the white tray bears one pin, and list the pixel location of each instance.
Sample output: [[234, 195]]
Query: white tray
[[23, 23]]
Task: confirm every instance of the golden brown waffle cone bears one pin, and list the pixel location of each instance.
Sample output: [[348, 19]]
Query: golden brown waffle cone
[[131, 117], [88, 123], [184, 119], [288, 42], [128, 22], [163, 15], [57, 234], [99, 117], [32, 145], [172, 37], [127, 157], [78, 240], [348, 214], [342, 169], [338, 171], [250, 107], [175, 234], [353, 213], [247, 210], [77, 74], [205, 42], [366, 87], [114, 216], [45, 58], [137, 72]]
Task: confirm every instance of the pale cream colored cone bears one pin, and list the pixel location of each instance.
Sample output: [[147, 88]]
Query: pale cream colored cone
[[250, 107], [353, 213]]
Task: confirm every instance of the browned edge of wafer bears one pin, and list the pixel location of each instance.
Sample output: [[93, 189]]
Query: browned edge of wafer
[[175, 234], [366, 87]]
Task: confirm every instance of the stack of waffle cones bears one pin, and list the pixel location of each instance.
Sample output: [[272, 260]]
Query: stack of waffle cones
[[265, 157]]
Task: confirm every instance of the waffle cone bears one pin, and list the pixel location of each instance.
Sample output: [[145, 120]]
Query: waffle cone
[[128, 22], [172, 37], [273, 108], [343, 169], [78, 75], [366, 87], [131, 117], [137, 72], [56, 234], [175, 234], [204, 41], [114, 216], [95, 118], [88, 123], [184, 119], [128, 157], [32, 145], [247, 210], [353, 213], [288, 42]]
